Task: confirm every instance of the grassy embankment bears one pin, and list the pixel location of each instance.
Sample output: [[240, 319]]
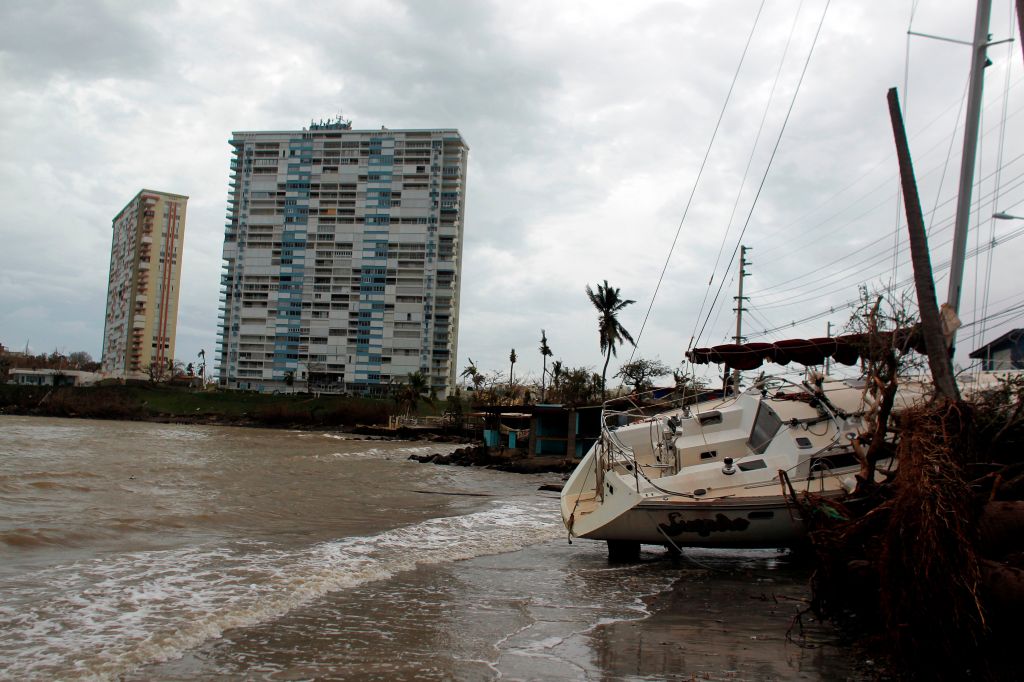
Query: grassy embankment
[[178, 404]]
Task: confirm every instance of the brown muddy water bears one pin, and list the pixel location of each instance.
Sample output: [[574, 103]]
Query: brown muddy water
[[147, 551]]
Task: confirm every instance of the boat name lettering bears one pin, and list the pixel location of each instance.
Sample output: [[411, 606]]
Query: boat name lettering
[[703, 527]]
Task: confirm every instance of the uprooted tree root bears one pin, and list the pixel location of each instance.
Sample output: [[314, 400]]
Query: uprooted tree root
[[929, 572], [903, 565]]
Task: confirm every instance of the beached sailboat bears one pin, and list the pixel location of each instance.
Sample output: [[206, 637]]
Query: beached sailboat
[[721, 472], [724, 471]]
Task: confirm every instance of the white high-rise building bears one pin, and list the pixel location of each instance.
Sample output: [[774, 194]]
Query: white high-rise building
[[342, 259]]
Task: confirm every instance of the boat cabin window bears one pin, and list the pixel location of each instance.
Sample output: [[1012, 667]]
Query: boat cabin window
[[766, 425], [710, 454], [752, 464], [709, 418]]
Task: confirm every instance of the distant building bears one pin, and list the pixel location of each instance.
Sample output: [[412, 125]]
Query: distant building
[[52, 377], [1005, 353], [142, 290], [342, 258]]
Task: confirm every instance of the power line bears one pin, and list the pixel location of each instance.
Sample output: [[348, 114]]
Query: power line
[[771, 158], [696, 182], [900, 285]]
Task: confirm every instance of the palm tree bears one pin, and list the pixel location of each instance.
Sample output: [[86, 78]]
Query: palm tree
[[512, 359], [411, 393], [612, 333], [545, 352], [556, 375], [470, 372]]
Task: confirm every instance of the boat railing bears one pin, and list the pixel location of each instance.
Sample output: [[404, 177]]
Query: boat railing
[[652, 406], [636, 407]]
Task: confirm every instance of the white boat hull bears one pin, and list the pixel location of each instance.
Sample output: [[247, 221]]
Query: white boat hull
[[765, 521], [717, 474]]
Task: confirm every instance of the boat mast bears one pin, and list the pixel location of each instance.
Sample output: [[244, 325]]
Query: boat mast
[[963, 206], [739, 311]]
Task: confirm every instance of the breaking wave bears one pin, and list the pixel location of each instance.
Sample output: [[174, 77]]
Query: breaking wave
[[101, 618]]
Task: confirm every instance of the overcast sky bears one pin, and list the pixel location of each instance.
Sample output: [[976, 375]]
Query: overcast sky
[[587, 121]]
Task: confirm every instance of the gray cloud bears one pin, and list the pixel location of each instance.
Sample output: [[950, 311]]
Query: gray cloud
[[587, 123], [88, 39]]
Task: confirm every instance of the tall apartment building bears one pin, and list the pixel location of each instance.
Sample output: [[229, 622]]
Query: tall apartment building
[[342, 255], [142, 289]]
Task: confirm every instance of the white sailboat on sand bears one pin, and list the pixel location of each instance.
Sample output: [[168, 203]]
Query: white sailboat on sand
[[724, 470]]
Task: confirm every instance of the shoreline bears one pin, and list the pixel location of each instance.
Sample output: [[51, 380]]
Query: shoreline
[[475, 454]]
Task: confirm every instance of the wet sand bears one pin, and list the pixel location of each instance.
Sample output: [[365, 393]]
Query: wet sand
[[734, 618]]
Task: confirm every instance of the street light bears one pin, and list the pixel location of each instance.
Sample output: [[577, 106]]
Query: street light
[[1002, 215]]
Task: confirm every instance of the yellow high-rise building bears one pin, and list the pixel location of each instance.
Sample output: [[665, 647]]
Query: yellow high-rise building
[[142, 290]]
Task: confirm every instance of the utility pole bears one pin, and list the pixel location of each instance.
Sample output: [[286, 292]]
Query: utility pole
[[963, 206], [828, 334], [739, 310]]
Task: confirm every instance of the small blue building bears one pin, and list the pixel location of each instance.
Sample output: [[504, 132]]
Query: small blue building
[[542, 431]]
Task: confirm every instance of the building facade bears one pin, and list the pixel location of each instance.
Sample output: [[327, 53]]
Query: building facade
[[142, 289], [1004, 354], [342, 259]]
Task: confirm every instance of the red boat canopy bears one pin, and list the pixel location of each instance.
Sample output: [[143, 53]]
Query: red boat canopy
[[846, 350]]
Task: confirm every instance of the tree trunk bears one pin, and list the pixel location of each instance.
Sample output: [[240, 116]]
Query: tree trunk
[[1020, 19], [543, 375], [604, 373], [931, 327]]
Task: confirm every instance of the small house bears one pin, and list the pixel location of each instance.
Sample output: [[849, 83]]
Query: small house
[[1003, 354], [555, 432], [52, 377]]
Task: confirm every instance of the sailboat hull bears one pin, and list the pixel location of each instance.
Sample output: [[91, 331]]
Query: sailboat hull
[[765, 522]]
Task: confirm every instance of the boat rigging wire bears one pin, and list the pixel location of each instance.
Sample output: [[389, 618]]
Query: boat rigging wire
[[778, 141], [750, 162], [999, 164], [771, 245], [700, 173], [906, 110]]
